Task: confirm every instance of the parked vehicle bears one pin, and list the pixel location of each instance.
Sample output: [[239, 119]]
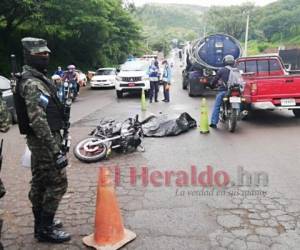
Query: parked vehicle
[[124, 137], [133, 76], [203, 58], [231, 107], [104, 77], [291, 58], [7, 95], [149, 57], [268, 85]]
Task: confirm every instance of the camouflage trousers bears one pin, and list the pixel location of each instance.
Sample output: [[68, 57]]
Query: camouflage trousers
[[48, 184], [4, 116]]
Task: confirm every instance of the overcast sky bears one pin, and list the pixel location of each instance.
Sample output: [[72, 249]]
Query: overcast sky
[[205, 2]]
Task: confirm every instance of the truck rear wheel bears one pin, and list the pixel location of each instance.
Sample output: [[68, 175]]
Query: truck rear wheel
[[190, 93], [296, 113], [184, 85]]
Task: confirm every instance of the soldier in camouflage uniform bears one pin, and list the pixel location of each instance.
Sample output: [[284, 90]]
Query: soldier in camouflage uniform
[[4, 127], [4, 115], [40, 116]]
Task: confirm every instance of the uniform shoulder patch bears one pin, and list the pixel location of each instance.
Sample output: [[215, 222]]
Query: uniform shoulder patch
[[43, 101]]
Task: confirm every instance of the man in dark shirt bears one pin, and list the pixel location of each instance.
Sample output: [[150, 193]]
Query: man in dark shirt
[[221, 79]]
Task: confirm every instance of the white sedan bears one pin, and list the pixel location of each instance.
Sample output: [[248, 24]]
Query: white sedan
[[104, 77]]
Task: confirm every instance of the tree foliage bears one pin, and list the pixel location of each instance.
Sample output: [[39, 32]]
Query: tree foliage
[[277, 23], [230, 20], [270, 26], [87, 33], [162, 23]]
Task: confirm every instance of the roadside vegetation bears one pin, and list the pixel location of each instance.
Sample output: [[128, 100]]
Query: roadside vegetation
[[87, 33], [95, 33], [271, 26]]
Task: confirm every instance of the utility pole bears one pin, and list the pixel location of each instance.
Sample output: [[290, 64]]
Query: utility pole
[[246, 36]]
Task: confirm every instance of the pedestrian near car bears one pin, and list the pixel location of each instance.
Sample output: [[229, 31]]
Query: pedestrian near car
[[153, 72], [167, 76], [40, 115]]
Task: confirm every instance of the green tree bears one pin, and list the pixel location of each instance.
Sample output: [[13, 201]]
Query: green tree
[[87, 33]]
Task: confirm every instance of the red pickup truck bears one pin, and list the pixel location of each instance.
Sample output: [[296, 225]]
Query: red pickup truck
[[268, 85]]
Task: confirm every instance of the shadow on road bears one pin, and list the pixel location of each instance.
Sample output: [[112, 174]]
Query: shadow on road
[[272, 118]]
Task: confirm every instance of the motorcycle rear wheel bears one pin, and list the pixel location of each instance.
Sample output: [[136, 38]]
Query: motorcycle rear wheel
[[95, 153], [232, 120]]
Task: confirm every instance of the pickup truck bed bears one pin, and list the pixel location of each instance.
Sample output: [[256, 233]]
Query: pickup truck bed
[[268, 85]]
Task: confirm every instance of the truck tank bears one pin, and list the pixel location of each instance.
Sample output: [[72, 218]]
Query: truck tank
[[208, 52]]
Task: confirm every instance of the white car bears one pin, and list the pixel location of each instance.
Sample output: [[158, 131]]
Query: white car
[[104, 77], [133, 76]]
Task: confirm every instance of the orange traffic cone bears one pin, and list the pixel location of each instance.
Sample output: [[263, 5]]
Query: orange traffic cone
[[110, 233]]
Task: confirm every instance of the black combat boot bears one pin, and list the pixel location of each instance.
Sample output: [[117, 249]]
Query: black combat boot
[[37, 213], [48, 233]]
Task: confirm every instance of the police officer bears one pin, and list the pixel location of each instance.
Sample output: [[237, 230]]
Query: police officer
[[40, 116]]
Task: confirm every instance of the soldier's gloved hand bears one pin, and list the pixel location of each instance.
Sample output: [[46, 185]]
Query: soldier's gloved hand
[[61, 160]]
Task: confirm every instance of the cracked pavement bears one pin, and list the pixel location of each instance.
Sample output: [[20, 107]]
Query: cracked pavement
[[171, 217]]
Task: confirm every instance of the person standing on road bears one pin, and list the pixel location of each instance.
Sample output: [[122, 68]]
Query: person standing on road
[[180, 54], [4, 127], [153, 72], [166, 80], [40, 116]]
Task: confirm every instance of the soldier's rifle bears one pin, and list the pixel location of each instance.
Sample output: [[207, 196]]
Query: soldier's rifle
[[67, 103]]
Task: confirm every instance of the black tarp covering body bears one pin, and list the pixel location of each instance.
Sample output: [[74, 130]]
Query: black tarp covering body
[[160, 126]]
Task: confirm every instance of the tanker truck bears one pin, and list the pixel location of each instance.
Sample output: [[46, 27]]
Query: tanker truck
[[203, 59]]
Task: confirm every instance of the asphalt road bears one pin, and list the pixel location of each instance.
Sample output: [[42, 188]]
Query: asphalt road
[[174, 216]]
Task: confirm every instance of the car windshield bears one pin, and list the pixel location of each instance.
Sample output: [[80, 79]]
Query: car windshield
[[134, 66], [4, 83], [105, 72]]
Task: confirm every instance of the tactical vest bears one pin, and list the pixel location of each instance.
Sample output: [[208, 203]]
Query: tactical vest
[[54, 110]]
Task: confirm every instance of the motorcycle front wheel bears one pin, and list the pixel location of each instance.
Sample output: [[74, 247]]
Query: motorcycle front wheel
[[232, 120], [85, 152]]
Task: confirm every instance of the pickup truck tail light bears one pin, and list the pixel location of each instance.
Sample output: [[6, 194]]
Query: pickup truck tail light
[[253, 88]]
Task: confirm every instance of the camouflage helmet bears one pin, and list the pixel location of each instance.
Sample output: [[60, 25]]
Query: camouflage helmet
[[35, 45]]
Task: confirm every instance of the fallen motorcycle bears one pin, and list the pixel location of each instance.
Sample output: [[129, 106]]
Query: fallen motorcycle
[[123, 137]]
